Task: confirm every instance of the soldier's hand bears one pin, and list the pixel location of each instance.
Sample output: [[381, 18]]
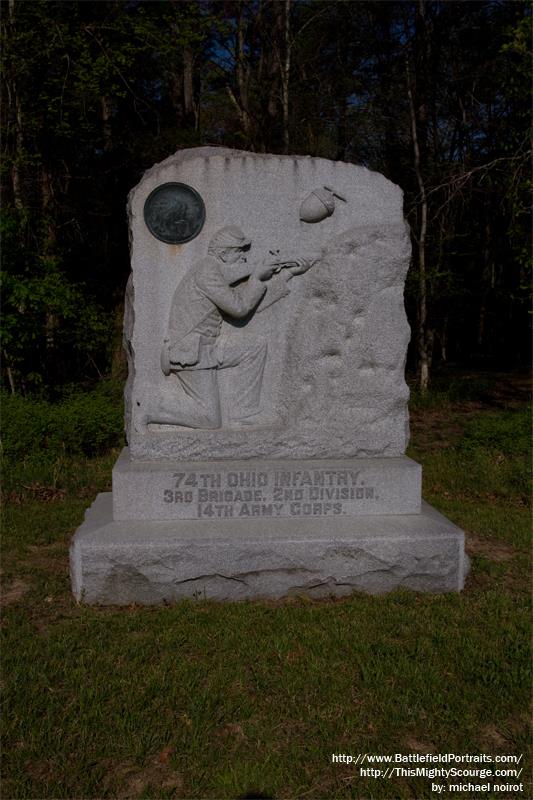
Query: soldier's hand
[[265, 272], [267, 268]]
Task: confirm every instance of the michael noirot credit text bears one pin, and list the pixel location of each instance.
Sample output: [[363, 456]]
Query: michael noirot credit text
[[463, 765]]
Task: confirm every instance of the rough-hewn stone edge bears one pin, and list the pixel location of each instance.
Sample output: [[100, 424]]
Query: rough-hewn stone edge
[[118, 563], [210, 151]]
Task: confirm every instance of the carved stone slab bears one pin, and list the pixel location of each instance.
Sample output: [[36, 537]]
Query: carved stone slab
[[325, 357], [273, 489], [266, 406]]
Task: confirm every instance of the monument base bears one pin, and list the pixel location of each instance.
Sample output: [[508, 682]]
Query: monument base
[[152, 562]]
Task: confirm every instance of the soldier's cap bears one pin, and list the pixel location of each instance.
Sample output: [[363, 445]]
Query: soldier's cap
[[230, 236]]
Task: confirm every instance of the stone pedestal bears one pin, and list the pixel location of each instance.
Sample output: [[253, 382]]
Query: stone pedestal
[[263, 529], [123, 562]]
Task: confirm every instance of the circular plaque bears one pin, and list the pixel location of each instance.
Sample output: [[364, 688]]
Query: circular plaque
[[174, 213]]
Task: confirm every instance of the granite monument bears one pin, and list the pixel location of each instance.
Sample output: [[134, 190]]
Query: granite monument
[[266, 405]]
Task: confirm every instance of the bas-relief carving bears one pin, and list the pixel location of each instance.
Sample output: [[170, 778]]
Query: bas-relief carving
[[319, 204], [221, 286], [332, 379]]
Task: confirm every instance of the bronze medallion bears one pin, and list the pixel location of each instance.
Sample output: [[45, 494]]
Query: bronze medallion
[[174, 213]]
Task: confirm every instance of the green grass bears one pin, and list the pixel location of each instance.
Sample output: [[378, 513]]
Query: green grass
[[210, 700]]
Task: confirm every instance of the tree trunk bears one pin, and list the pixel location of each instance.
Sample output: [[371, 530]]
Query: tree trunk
[[189, 108], [14, 100], [270, 73], [47, 201], [242, 77], [285, 75], [487, 282], [9, 372], [107, 110], [175, 80], [443, 341], [341, 130], [422, 337], [16, 180]]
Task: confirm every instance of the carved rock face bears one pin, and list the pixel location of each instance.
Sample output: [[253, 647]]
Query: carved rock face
[[323, 349]]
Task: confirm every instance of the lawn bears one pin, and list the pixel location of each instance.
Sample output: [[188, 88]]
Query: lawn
[[205, 700]]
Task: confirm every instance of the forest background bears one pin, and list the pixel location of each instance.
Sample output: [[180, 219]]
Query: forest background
[[435, 95], [234, 700]]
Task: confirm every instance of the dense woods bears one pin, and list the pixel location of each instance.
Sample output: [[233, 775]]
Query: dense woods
[[433, 94]]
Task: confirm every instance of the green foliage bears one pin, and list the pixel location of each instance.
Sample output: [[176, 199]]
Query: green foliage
[[516, 63], [51, 325], [94, 93], [25, 425], [505, 432], [450, 389], [82, 423], [480, 472]]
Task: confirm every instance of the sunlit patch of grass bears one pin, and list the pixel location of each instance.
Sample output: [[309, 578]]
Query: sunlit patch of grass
[[255, 696], [223, 700]]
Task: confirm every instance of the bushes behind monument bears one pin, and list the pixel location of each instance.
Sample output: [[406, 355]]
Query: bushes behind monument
[[82, 423], [90, 422]]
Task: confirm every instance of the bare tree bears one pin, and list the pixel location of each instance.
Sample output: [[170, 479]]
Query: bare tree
[[420, 236]]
